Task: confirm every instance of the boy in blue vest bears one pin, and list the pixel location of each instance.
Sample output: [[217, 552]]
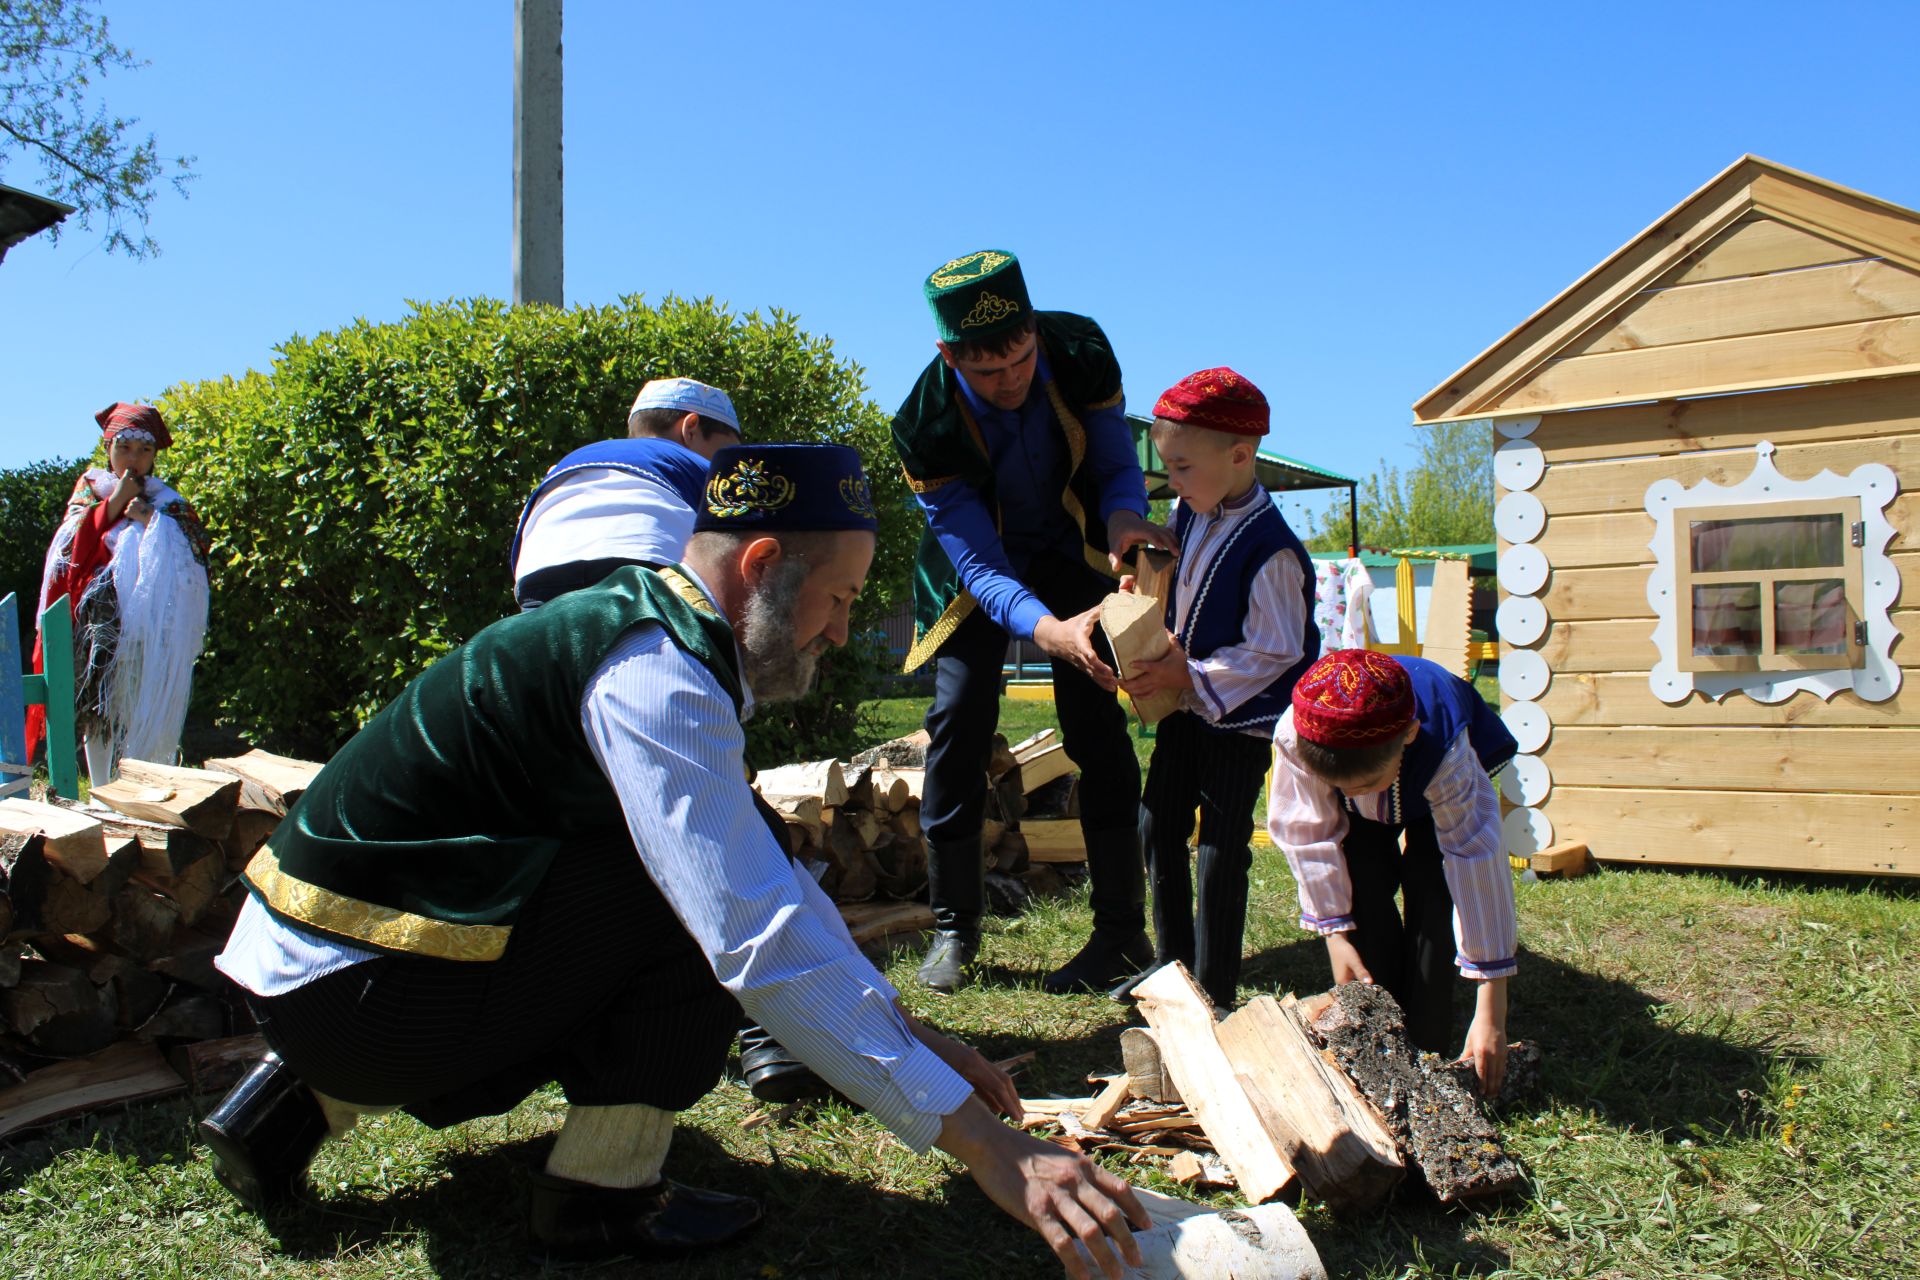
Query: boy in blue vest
[[1240, 617], [621, 502], [1374, 749]]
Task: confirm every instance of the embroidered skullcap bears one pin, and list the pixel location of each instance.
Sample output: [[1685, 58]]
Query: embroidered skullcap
[[981, 295], [1219, 399], [792, 487], [1353, 698], [139, 420], [687, 396]]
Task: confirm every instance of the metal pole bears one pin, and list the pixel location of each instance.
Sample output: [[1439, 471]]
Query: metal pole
[[1353, 520], [538, 225]]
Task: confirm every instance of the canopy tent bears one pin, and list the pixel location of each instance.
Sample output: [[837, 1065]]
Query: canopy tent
[[1276, 473]]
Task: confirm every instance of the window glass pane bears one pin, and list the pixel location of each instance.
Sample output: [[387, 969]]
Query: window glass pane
[[1769, 542], [1726, 619], [1810, 617]]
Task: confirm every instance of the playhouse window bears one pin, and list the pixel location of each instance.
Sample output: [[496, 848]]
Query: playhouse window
[[1768, 586]]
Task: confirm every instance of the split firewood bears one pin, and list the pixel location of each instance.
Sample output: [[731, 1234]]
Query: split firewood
[[10, 960], [1185, 1168], [122, 1073], [1000, 757], [75, 842], [251, 829], [198, 799], [821, 778], [269, 783], [903, 786], [1153, 574], [189, 959], [1146, 1074], [137, 992], [195, 887], [1440, 1124], [192, 1017], [1343, 1151], [804, 811], [1009, 853], [1054, 840], [1045, 766], [141, 922], [1106, 1104], [859, 874], [42, 897], [909, 752], [1135, 626], [859, 782], [869, 922], [1182, 1014], [56, 1009], [214, 1066], [906, 823]]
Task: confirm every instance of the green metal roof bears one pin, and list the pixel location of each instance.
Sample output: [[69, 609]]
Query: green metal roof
[[1481, 557], [1275, 472]]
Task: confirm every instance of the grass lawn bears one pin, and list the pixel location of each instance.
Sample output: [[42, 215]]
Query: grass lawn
[[1729, 1092]]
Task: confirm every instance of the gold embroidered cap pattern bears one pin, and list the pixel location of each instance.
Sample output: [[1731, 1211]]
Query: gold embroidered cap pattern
[[858, 495], [971, 267], [749, 487], [989, 309]]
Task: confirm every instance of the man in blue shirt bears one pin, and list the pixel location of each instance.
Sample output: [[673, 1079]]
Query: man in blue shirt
[[1016, 443]]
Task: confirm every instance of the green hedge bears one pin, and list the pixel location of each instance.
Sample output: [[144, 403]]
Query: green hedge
[[32, 500], [362, 493]]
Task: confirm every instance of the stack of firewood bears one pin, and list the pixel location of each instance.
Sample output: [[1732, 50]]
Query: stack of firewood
[[856, 824], [110, 916], [1324, 1097]]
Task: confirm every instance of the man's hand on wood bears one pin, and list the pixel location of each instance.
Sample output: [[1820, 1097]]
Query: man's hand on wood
[[1072, 642], [1347, 964], [1125, 531]]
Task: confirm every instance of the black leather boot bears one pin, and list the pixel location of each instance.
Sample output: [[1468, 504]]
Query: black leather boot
[[774, 1075], [578, 1223], [1119, 948], [957, 890], [263, 1135]]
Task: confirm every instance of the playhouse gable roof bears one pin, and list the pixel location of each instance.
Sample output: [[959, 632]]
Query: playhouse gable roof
[[1764, 277]]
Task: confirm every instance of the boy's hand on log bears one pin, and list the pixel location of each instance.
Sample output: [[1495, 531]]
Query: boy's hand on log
[[1169, 671], [1486, 1047], [1125, 531], [1347, 964], [1072, 642], [1061, 1194]]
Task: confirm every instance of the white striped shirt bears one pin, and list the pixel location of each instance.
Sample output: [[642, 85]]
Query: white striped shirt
[[1275, 623], [1308, 821]]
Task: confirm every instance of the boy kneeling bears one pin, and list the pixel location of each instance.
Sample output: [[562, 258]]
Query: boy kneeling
[[1371, 749]]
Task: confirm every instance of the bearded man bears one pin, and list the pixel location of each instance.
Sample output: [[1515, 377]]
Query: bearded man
[[542, 862]]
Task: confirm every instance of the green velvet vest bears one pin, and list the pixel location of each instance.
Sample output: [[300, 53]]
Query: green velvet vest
[[939, 442], [431, 828]]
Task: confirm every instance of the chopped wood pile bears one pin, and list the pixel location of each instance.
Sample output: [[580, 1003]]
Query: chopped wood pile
[[109, 922], [856, 826], [1323, 1097]]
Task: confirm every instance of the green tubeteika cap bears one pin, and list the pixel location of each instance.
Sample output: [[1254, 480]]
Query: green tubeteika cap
[[978, 296]]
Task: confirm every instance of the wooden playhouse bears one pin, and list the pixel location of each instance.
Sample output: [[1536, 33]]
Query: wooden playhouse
[[1705, 450]]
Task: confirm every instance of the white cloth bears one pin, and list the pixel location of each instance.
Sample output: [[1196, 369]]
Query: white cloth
[[603, 513], [1308, 822], [665, 734], [1274, 631]]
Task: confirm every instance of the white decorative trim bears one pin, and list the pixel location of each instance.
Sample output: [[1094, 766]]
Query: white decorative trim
[[1524, 674], [1520, 517], [1518, 464], [1517, 428], [1529, 724], [1523, 570], [1526, 832], [1526, 781], [1520, 620], [1876, 680]]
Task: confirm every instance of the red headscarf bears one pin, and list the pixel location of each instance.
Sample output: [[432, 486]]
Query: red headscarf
[[121, 416], [1216, 398], [1353, 698]]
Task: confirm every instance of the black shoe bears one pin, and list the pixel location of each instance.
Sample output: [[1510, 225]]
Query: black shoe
[[577, 1223], [774, 1075], [263, 1135], [948, 960], [1102, 964]]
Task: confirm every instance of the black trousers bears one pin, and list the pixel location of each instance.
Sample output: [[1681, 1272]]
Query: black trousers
[[1196, 765], [600, 988], [1408, 948], [966, 711]]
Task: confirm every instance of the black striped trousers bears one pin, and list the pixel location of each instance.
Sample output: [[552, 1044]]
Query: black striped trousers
[[1219, 772], [600, 988]]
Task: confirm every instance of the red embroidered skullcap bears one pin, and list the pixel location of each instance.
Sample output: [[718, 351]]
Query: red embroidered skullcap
[[1352, 698], [121, 416], [1219, 399]]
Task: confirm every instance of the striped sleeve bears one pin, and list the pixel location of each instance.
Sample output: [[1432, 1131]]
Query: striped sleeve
[[1305, 819], [1466, 822], [667, 738]]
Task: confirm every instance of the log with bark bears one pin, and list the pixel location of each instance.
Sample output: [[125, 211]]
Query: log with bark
[[269, 783], [200, 800]]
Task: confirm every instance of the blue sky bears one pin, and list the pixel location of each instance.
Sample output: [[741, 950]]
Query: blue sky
[[1345, 203]]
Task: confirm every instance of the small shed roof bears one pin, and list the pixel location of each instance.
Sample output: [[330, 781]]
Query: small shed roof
[[1276, 472], [23, 213], [1751, 199], [1481, 557]]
